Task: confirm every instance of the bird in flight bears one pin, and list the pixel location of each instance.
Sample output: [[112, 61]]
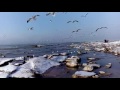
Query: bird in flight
[[30, 28], [84, 15], [76, 30], [50, 20], [69, 21], [51, 13], [75, 21], [100, 28], [29, 20], [32, 18]]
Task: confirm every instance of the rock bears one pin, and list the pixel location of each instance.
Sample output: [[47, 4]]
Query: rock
[[74, 76], [108, 65], [59, 58], [95, 65], [4, 75], [101, 72], [84, 64], [88, 68], [95, 76], [83, 74], [73, 61], [64, 54], [5, 60], [72, 64]]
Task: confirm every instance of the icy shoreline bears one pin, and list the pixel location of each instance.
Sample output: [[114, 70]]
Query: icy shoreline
[[110, 47], [28, 67]]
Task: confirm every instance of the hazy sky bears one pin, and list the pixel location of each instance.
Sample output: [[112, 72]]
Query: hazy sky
[[14, 27]]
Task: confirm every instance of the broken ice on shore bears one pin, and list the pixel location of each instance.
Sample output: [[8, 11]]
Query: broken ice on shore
[[110, 47], [37, 65], [5, 60], [8, 68]]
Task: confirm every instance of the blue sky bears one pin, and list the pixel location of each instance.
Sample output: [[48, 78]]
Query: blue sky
[[14, 28]]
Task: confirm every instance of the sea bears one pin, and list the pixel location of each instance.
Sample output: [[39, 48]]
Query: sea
[[11, 51]]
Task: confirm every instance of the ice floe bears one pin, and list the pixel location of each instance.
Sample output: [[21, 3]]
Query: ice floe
[[4, 60]]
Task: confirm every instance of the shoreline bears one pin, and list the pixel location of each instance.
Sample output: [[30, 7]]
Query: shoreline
[[54, 65]]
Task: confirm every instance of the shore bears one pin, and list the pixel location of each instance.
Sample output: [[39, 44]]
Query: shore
[[91, 60]]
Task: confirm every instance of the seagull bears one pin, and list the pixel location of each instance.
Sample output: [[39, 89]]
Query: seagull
[[33, 18], [50, 20], [69, 21], [30, 28], [100, 28], [51, 13], [85, 15], [29, 20], [76, 30], [75, 21]]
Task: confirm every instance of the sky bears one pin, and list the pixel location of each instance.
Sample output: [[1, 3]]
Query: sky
[[14, 27]]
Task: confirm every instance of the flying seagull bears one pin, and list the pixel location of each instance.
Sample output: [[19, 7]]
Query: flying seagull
[[32, 18], [30, 28], [29, 20], [100, 28], [69, 21], [51, 13], [76, 30], [50, 20], [75, 21], [84, 15]]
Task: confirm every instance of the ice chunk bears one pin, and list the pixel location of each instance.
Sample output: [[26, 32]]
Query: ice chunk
[[4, 60], [9, 68]]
